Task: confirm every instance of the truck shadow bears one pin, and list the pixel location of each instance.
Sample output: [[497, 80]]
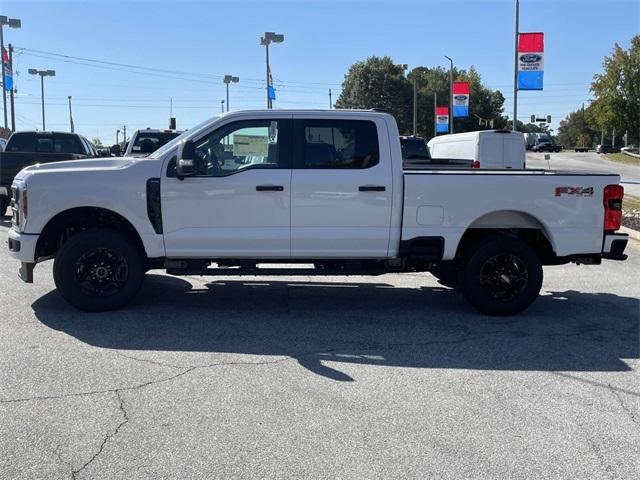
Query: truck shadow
[[322, 323]]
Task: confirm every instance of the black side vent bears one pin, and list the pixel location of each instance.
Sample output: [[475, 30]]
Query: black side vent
[[154, 209]]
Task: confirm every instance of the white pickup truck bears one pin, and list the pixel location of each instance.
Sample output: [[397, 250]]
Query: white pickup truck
[[259, 192]]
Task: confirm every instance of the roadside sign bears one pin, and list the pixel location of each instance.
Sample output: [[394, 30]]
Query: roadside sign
[[530, 61]]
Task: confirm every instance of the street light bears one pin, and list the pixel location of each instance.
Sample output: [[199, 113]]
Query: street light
[[42, 73], [450, 94], [70, 116], [269, 38], [13, 23], [227, 80]]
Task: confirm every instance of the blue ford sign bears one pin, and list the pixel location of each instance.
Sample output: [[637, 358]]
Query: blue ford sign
[[530, 58]]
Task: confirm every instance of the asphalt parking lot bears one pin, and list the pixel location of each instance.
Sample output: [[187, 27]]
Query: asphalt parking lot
[[362, 377]]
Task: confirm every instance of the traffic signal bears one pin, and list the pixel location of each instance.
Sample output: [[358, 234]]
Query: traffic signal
[[533, 119], [548, 118], [172, 123]]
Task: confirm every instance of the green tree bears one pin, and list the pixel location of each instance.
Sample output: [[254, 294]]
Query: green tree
[[617, 91], [576, 129], [377, 82]]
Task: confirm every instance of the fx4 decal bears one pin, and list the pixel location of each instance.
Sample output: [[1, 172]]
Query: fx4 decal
[[579, 191]]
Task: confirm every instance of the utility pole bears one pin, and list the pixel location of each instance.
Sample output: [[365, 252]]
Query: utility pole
[[602, 137], [330, 102], [11, 92], [415, 106], [117, 137], [450, 94], [515, 70], [124, 135], [70, 116], [435, 116], [12, 23], [613, 137]]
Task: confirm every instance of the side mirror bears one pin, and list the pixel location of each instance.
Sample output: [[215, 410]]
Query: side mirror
[[115, 150], [186, 164]]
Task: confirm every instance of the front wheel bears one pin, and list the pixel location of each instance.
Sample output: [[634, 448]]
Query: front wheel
[[501, 276], [99, 270]]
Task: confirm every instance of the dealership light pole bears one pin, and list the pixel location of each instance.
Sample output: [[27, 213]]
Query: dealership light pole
[[270, 37], [42, 73], [227, 80], [222, 106], [13, 23], [515, 70], [435, 115], [450, 94]]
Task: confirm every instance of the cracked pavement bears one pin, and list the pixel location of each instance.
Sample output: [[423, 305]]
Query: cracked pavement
[[360, 377]]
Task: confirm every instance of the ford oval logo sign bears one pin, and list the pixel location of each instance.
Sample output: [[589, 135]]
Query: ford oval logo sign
[[442, 118], [460, 97], [530, 58]]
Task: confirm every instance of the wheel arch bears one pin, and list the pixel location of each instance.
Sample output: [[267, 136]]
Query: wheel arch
[[67, 223], [514, 223]]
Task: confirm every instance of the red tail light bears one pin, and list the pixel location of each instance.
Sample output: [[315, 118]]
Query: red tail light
[[613, 207], [475, 164]]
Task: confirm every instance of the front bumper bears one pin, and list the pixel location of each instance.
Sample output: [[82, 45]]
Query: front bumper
[[614, 245], [22, 247]]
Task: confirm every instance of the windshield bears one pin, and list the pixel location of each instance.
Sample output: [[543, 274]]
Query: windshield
[[168, 146], [414, 148]]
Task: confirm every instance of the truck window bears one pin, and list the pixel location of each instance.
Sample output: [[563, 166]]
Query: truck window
[[238, 146], [344, 144], [22, 142], [148, 142], [67, 144]]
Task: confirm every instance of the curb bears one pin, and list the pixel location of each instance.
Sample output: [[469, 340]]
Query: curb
[[635, 234]]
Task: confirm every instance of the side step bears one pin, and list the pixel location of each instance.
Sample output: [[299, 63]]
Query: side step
[[185, 267]]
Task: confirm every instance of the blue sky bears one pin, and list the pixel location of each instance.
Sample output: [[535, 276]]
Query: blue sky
[[202, 41]]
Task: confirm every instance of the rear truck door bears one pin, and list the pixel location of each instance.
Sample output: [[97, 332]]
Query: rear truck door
[[341, 190], [238, 204]]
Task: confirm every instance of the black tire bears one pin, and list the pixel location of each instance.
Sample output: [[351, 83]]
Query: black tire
[[447, 275], [99, 270], [4, 203], [501, 276]]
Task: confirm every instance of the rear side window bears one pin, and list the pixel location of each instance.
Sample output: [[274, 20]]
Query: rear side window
[[337, 144]]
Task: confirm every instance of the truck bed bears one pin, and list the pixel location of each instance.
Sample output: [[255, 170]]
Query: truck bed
[[444, 203]]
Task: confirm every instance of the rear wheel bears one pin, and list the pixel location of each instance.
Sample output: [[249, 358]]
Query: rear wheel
[[501, 276], [99, 270]]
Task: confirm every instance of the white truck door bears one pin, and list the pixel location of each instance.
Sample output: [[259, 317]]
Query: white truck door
[[238, 204], [341, 189]]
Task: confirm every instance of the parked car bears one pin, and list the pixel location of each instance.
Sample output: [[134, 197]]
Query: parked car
[[630, 149], [326, 188], [606, 149], [415, 153], [29, 148], [489, 148], [145, 142], [547, 147], [3, 144]]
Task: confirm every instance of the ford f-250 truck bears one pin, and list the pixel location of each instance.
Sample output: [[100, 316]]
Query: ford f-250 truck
[[253, 192]]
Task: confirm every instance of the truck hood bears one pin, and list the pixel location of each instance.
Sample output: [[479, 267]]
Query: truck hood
[[85, 165]]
